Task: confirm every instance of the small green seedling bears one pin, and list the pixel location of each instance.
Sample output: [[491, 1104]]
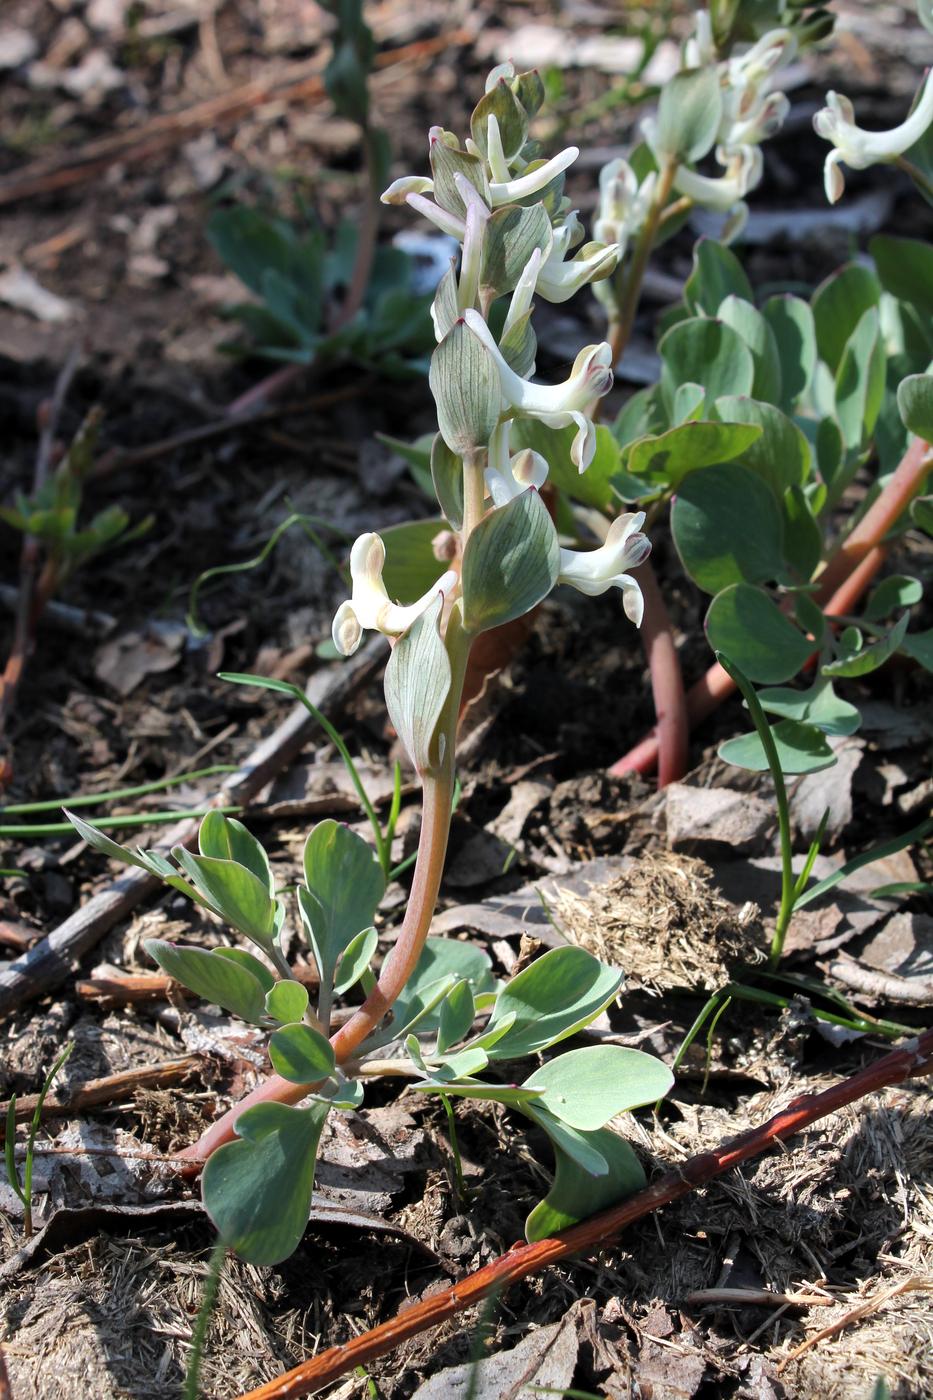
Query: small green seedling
[[23, 1188]]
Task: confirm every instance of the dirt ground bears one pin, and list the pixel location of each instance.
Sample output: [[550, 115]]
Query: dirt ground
[[110, 165]]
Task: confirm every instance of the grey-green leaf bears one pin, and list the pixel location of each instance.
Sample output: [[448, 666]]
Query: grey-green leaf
[[510, 563], [234, 892], [227, 839], [287, 1001], [258, 1189], [915, 404], [801, 748], [344, 884], [860, 381], [559, 993], [689, 114], [717, 274], [301, 1054], [727, 528], [780, 454], [447, 476], [667, 459], [705, 351], [466, 387], [819, 706], [356, 959], [791, 320], [417, 683], [510, 238], [838, 305], [576, 1193], [861, 661], [749, 628], [751, 325], [208, 974], [585, 1088]]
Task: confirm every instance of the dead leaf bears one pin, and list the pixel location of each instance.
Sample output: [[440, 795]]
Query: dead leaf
[[127, 660], [544, 1360], [828, 791]]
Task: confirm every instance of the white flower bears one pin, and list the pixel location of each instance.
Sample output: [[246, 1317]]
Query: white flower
[[447, 223], [590, 378], [858, 148], [764, 121], [772, 51], [498, 165], [507, 477], [596, 570], [399, 190], [700, 50], [623, 203], [370, 605], [509, 191], [520, 301], [556, 405], [558, 280], [474, 229], [743, 171]]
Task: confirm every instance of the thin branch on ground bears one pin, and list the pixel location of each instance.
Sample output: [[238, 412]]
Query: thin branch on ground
[[522, 1260]]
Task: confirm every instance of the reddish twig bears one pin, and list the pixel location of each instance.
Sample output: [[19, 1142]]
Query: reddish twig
[[667, 684], [35, 586], [525, 1259], [850, 570]]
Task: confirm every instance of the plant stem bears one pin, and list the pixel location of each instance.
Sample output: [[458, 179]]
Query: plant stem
[[788, 883], [919, 177], [667, 683], [524, 1260], [848, 573], [620, 329], [401, 961], [474, 495]]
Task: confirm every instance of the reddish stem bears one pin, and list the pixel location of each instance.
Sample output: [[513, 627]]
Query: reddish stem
[[847, 575], [667, 684], [525, 1259], [398, 967]]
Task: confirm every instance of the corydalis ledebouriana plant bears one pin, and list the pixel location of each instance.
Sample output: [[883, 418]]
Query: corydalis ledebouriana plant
[[519, 239], [742, 110]]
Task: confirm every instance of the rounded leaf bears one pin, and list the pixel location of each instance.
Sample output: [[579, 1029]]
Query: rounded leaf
[[585, 1088], [750, 629], [301, 1054]]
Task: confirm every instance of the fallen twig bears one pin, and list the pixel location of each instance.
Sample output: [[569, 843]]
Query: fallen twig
[[756, 1298], [78, 622], [886, 986], [870, 1305], [524, 1259], [48, 963], [303, 83], [112, 1088], [32, 595]]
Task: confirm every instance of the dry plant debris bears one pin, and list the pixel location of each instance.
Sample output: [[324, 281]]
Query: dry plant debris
[[664, 922]]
